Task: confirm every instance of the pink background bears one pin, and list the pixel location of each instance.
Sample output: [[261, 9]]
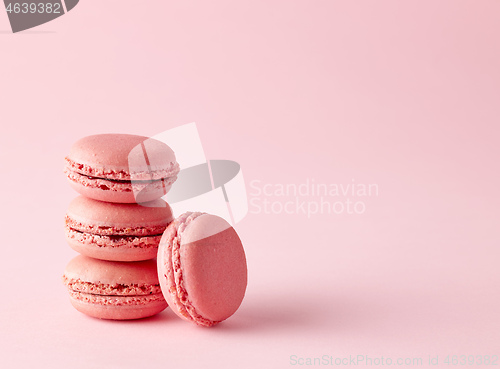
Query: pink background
[[404, 94]]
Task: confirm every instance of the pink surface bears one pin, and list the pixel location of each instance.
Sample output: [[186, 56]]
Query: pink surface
[[203, 275], [395, 93]]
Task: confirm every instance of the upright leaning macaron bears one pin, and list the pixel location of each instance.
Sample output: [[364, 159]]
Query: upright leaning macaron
[[119, 232], [121, 168], [114, 290], [202, 268]]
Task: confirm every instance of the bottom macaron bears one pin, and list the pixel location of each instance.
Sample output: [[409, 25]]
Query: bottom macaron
[[202, 268], [114, 290]]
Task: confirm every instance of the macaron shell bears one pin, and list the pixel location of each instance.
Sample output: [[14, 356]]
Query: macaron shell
[[116, 155], [111, 272], [120, 312], [214, 269], [106, 218], [206, 225]]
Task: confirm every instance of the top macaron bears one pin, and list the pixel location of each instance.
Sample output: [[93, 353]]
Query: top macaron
[[121, 168]]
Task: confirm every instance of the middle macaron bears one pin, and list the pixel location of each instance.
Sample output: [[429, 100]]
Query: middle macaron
[[116, 232]]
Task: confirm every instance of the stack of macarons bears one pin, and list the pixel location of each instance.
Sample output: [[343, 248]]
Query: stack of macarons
[[135, 259]]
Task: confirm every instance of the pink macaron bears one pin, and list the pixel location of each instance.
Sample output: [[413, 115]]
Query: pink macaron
[[121, 168], [202, 268], [114, 290], [119, 232]]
